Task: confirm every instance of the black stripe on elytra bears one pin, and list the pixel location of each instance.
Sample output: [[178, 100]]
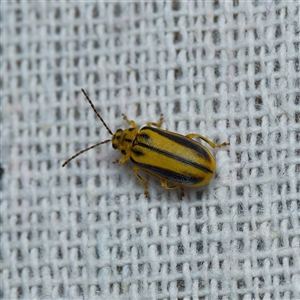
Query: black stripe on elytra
[[185, 141], [138, 152], [169, 175], [179, 158], [145, 136]]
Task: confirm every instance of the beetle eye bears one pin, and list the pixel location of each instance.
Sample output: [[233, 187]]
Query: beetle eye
[[123, 152], [119, 130], [114, 146]]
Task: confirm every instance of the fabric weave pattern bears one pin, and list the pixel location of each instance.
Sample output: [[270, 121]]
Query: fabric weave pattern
[[228, 70]]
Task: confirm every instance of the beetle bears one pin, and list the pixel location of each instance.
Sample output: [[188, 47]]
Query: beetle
[[176, 160]]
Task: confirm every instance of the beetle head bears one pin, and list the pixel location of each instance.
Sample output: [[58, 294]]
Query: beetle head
[[123, 139]]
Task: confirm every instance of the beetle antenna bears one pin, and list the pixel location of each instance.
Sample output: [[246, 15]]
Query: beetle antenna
[[84, 150], [93, 107]]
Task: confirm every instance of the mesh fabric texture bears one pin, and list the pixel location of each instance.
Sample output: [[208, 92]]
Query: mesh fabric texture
[[228, 70]]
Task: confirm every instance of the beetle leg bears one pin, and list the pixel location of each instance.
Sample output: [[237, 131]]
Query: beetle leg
[[182, 193], [130, 122], [142, 180], [165, 186], [192, 135], [124, 159], [158, 125]]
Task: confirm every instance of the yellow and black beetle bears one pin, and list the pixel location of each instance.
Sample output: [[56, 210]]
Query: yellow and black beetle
[[177, 160]]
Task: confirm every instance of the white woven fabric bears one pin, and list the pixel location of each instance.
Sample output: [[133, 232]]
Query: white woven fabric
[[226, 69]]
